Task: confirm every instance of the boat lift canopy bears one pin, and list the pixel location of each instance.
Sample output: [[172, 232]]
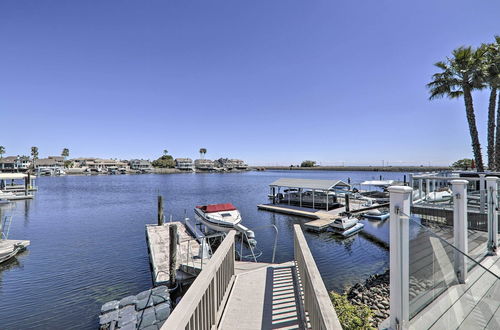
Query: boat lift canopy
[[324, 185]]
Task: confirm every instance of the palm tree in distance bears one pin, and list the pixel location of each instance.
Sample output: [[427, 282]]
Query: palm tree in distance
[[65, 153], [2, 151], [459, 76], [203, 151], [165, 152]]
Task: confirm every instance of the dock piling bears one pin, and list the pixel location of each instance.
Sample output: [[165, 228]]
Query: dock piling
[[160, 210], [174, 238]]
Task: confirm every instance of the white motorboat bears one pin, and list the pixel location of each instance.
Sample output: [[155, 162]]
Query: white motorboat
[[344, 223], [218, 217], [223, 217], [9, 248], [376, 214], [438, 196]]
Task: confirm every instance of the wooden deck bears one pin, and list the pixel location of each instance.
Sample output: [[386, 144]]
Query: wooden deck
[[158, 240], [473, 305], [264, 298]]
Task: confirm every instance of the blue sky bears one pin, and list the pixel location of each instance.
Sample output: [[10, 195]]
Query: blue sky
[[272, 82]]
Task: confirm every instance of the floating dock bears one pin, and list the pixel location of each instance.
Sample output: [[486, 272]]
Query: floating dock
[[322, 218], [188, 249]]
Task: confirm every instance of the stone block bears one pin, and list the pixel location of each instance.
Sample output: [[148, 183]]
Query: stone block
[[162, 311], [146, 317], [110, 306], [130, 300]]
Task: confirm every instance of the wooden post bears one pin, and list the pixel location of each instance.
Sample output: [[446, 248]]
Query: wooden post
[[174, 238], [346, 197], [459, 188], [26, 186], [160, 210]]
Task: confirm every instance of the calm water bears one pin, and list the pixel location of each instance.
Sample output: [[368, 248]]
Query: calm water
[[88, 240]]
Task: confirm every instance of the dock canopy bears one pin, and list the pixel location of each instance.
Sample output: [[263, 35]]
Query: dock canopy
[[13, 176], [309, 184]]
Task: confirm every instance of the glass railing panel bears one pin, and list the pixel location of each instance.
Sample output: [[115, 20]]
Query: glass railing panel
[[431, 267], [433, 275]]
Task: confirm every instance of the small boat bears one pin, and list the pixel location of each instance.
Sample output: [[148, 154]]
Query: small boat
[[346, 226], [344, 223], [353, 230], [376, 214], [9, 249], [438, 196], [218, 217], [223, 217], [380, 216]]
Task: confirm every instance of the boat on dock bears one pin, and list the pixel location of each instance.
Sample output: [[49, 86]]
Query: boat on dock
[[346, 226], [376, 214], [223, 218]]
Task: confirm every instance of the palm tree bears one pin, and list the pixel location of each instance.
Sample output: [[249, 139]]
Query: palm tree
[[2, 151], [492, 69], [65, 153], [491, 73], [459, 76], [34, 153], [165, 152], [203, 151]]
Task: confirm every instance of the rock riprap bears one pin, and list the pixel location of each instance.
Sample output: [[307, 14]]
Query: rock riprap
[[148, 310]]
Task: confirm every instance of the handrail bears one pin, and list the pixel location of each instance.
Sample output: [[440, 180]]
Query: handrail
[[200, 306], [317, 302]]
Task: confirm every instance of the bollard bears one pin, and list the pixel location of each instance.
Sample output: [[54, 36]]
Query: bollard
[[160, 211], [400, 197], [173, 236], [492, 200], [459, 189]]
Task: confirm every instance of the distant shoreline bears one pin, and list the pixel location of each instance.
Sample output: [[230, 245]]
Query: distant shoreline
[[360, 168]]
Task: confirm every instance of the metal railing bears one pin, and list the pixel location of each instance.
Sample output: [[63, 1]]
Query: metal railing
[[317, 303], [200, 308]]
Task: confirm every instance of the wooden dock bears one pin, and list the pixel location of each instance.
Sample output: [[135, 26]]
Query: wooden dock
[[188, 249], [322, 218]]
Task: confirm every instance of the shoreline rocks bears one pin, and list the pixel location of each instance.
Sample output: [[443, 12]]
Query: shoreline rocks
[[374, 293]]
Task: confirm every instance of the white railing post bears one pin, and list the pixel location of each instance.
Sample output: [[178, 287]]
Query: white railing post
[[481, 192], [492, 190], [420, 188], [399, 256], [459, 188]]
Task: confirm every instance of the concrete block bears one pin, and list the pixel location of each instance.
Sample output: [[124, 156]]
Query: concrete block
[[144, 303], [108, 317], [127, 315]]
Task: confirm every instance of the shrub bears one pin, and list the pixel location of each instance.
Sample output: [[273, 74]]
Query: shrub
[[351, 316]]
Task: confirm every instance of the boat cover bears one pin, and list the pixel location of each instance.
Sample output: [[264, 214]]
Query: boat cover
[[212, 208]]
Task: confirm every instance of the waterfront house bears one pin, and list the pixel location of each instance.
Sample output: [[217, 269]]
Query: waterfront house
[[15, 163], [204, 164], [140, 165], [50, 162], [184, 164], [98, 164]]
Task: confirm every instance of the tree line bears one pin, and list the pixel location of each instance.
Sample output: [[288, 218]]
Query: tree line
[[470, 69]]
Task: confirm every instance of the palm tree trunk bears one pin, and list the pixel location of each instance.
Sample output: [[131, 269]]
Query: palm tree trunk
[[491, 129], [497, 138], [471, 119]]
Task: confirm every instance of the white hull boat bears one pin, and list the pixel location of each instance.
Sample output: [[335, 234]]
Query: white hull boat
[[346, 226], [9, 248], [376, 214], [223, 218]]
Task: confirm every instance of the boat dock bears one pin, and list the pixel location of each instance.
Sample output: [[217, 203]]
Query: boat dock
[[322, 218], [188, 249]]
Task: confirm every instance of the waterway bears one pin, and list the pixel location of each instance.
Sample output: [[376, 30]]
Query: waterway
[[88, 239]]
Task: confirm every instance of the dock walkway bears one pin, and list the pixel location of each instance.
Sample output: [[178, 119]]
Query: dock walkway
[[264, 298], [158, 240]]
